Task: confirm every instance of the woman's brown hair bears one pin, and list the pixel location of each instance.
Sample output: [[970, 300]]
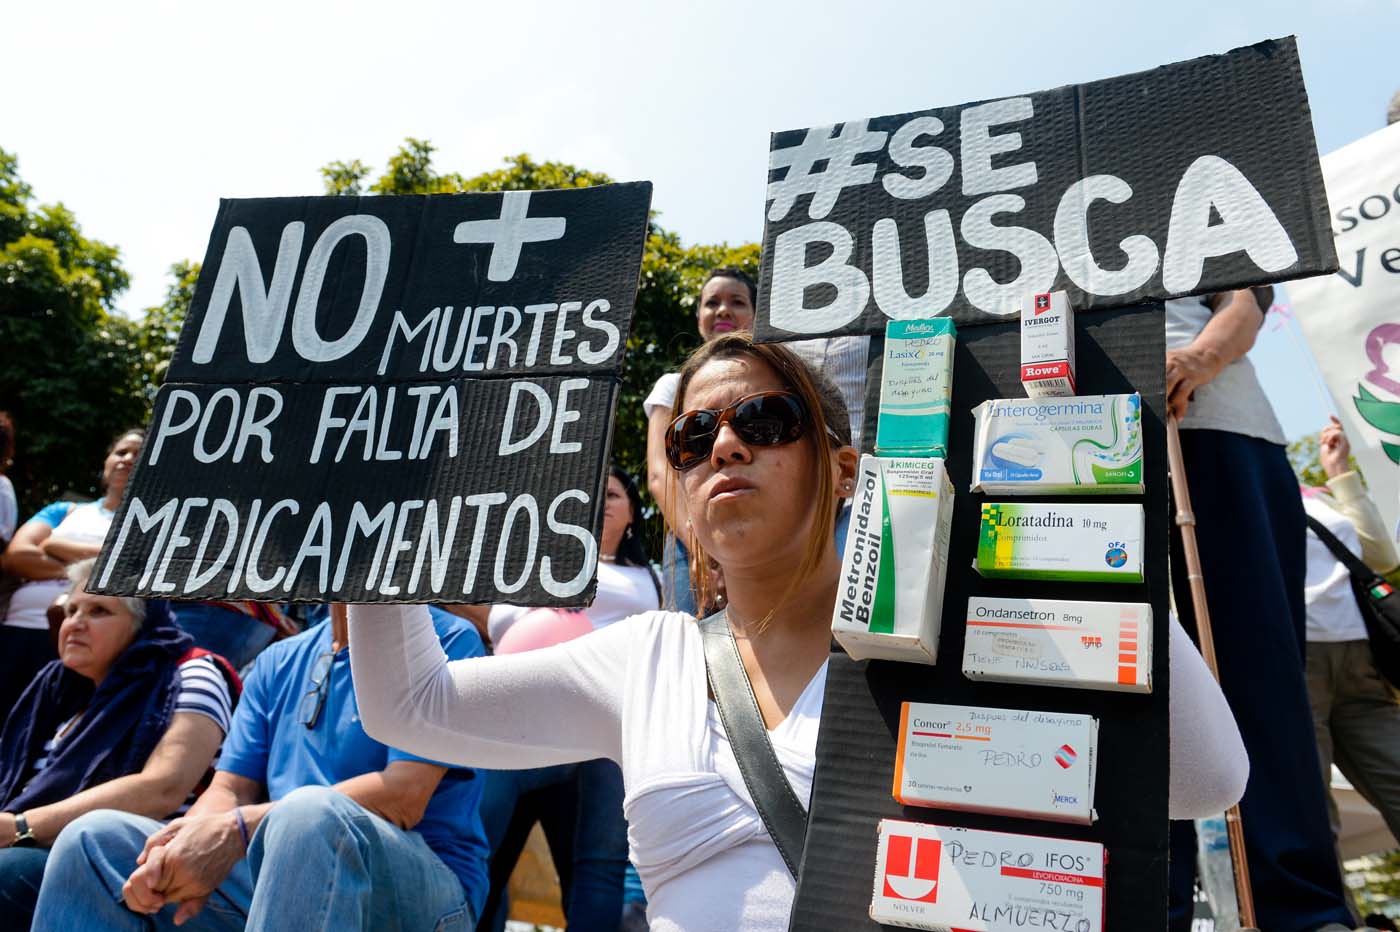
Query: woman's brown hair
[[825, 407]]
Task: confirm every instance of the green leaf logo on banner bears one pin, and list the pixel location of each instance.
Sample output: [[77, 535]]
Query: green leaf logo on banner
[[1384, 416]]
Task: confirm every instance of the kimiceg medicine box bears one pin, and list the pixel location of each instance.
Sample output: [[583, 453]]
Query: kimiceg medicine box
[[1080, 445], [1074, 542], [965, 880], [1084, 645], [1047, 345], [1037, 765]]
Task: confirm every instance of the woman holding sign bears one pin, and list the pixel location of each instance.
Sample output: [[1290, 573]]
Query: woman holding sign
[[760, 445]]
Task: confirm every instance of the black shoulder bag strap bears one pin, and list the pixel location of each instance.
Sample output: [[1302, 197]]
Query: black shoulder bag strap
[[1359, 571], [783, 815]]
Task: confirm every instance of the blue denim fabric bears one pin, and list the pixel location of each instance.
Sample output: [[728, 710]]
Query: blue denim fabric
[[317, 861], [21, 871], [580, 809], [675, 576]]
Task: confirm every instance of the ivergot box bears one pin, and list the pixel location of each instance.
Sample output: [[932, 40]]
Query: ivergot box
[[916, 388], [965, 880], [1085, 444], [889, 604], [1076, 543], [1088, 645], [1047, 345], [1038, 765]]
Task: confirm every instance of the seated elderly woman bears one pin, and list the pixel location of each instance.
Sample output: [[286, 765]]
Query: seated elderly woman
[[129, 717]]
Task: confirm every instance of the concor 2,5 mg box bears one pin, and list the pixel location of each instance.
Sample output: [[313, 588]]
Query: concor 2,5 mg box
[[1014, 762]]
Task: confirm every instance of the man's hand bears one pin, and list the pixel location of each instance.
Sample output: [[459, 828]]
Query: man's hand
[[1333, 449], [1188, 368], [183, 863]]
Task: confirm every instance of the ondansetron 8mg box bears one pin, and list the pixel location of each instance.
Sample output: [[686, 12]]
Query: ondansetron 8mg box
[[1085, 645], [916, 385], [1085, 444], [965, 880], [1037, 765], [1079, 543], [889, 603]]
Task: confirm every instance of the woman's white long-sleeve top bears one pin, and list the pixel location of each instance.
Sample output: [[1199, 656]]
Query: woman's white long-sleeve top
[[635, 692]]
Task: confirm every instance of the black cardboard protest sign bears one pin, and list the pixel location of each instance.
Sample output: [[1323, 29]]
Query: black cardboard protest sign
[[1118, 351], [1181, 180], [393, 399]]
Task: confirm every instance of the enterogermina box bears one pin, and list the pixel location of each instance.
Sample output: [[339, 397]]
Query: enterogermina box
[[965, 880], [889, 604], [1080, 445], [1070, 542], [1016, 762], [1085, 645]]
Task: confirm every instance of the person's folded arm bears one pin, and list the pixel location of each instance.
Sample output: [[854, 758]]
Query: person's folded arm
[[399, 793], [25, 555], [65, 550], [171, 772], [556, 705]]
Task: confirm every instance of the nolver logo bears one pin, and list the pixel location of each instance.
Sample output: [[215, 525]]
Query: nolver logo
[[911, 868], [1042, 304]]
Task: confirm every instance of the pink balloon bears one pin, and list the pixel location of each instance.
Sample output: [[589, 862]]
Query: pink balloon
[[543, 627]]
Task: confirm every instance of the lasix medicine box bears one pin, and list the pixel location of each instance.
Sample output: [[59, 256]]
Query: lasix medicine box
[[1038, 765], [1085, 645], [965, 880]]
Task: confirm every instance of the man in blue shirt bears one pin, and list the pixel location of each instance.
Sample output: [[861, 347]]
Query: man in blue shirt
[[354, 835]]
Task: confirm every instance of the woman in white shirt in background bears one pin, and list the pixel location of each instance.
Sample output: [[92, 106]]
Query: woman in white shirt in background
[[762, 449], [579, 806]]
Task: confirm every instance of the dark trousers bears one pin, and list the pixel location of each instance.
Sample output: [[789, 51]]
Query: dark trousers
[[23, 653], [21, 872], [1251, 533], [579, 806]]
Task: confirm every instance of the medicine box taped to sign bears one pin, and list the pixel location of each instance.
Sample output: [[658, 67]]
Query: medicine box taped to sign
[[1185, 179], [389, 399]]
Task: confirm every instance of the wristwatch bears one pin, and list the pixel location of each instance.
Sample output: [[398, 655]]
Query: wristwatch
[[24, 835]]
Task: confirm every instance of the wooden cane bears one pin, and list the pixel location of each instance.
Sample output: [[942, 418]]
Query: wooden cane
[[1186, 520]]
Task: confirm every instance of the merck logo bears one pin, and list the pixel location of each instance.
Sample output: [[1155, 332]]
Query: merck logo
[[1042, 304], [911, 868], [1066, 756]]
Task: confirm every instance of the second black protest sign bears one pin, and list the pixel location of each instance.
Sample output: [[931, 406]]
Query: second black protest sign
[[389, 399]]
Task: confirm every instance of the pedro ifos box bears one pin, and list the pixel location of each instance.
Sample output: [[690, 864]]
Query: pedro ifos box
[[1014, 762], [965, 880], [1047, 345], [1085, 444], [916, 386], [889, 604], [1084, 645], [1073, 542]]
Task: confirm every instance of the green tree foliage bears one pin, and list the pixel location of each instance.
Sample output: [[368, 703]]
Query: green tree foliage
[[160, 329], [663, 328], [1307, 463], [71, 375]]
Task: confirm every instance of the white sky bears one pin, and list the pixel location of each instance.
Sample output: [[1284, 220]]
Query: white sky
[[141, 115]]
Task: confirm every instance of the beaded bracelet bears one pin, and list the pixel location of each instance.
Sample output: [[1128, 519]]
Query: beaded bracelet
[[242, 825]]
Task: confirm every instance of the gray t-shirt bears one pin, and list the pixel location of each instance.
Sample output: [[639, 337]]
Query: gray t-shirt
[[1234, 400]]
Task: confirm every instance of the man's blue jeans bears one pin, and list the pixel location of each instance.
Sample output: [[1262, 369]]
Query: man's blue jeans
[[318, 861]]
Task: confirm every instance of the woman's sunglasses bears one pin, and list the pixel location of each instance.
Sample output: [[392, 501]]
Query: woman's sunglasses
[[763, 419]]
